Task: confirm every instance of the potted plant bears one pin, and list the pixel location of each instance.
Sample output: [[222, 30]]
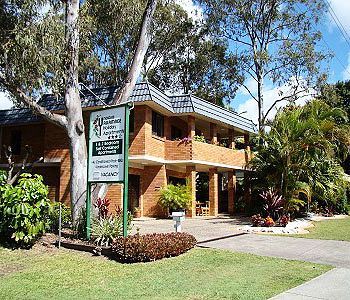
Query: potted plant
[[137, 212], [175, 197]]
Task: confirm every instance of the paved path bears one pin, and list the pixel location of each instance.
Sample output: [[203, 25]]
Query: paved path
[[333, 285], [335, 253]]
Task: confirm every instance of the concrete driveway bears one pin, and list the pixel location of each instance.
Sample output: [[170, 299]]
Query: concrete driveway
[[335, 253], [202, 228]]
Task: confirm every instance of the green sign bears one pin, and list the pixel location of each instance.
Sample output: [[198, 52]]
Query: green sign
[[106, 145]]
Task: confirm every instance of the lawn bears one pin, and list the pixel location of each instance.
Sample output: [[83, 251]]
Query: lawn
[[198, 274], [337, 229]]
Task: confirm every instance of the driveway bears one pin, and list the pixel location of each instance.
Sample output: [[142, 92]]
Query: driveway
[[335, 253], [202, 228]]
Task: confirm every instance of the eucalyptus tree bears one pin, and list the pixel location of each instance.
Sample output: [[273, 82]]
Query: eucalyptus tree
[[39, 52], [276, 43], [182, 56]]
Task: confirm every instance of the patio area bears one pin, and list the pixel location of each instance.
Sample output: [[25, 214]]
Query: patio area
[[203, 228]]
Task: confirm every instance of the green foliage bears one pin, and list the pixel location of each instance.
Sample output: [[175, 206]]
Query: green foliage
[[105, 229], [3, 177], [24, 210], [199, 138], [66, 217], [150, 247], [298, 155], [175, 197]]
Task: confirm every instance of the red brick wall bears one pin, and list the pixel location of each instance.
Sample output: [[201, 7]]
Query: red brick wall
[[32, 135], [154, 178]]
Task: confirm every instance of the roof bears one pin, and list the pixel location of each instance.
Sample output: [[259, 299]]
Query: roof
[[144, 91]]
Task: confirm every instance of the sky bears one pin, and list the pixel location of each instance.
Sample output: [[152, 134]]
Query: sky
[[339, 66]]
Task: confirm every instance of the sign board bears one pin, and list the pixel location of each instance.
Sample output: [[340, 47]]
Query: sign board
[[107, 145]]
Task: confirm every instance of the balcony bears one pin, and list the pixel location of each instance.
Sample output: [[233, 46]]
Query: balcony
[[200, 152]]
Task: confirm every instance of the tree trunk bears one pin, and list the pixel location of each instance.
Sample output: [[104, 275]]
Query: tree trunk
[[260, 102], [78, 180], [74, 113]]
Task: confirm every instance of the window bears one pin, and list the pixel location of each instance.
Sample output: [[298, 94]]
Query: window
[[157, 124], [132, 121], [176, 180], [176, 133], [16, 139]]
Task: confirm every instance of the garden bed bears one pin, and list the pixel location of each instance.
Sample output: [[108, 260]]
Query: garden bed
[[298, 226]]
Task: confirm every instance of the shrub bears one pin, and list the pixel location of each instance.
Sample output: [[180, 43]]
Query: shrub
[[269, 222], [150, 247], [175, 197], [24, 210], [102, 205], [105, 229], [273, 203], [3, 177], [66, 217], [283, 221], [257, 220]]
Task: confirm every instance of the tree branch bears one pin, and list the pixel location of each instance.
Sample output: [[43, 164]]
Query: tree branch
[[30, 103], [142, 46]]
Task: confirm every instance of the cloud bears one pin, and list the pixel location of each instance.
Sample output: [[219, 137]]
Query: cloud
[[194, 11], [251, 85], [249, 108], [346, 72], [341, 9], [5, 102]]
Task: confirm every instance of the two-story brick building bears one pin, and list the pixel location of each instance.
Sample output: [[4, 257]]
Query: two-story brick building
[[164, 146]]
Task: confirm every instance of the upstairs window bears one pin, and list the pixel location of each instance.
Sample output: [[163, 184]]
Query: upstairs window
[[16, 142], [176, 133], [157, 124]]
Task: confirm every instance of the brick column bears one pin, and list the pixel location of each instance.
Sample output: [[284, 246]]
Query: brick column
[[191, 181], [231, 139], [231, 191], [213, 133], [247, 192], [214, 191], [246, 140], [191, 127]]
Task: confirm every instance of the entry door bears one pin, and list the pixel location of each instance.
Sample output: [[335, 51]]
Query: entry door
[[134, 192]]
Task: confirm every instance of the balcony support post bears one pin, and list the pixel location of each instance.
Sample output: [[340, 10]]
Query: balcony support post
[[213, 133], [191, 181], [191, 126], [213, 191], [231, 191], [231, 139]]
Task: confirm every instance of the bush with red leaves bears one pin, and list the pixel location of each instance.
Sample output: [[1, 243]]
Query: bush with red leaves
[[150, 247]]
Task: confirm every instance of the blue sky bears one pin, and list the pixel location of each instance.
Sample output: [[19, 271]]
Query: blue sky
[[339, 66]]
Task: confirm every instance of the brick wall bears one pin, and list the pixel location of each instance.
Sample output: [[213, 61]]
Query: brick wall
[[217, 154], [154, 178], [31, 134]]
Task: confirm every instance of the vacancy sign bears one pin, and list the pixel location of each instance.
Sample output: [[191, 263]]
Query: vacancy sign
[[106, 145]]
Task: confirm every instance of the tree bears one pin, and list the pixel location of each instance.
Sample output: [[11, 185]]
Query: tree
[[338, 95], [182, 56], [299, 152], [40, 52], [276, 43]]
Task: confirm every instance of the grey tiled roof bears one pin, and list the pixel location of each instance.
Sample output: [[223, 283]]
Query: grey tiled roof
[[144, 91], [18, 116]]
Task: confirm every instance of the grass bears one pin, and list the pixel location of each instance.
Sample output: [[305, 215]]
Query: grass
[[338, 229], [198, 274]]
